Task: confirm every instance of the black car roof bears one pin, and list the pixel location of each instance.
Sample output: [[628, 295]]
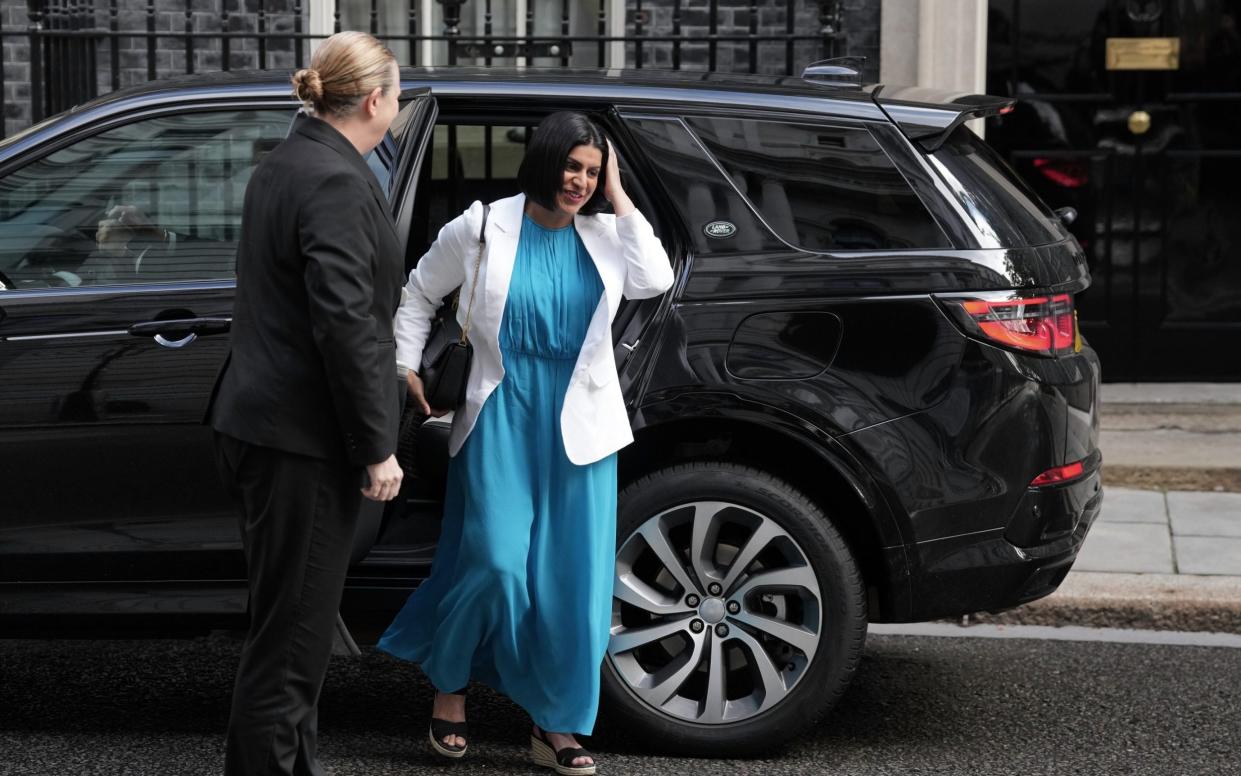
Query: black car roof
[[577, 81], [919, 112]]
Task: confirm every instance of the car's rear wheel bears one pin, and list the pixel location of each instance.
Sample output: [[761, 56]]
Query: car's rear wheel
[[738, 614]]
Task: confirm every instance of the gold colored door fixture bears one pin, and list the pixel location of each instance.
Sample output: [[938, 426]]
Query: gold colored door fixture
[[1139, 122]]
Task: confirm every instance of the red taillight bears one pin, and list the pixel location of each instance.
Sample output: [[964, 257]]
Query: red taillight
[[1038, 324], [1069, 173], [1058, 475]]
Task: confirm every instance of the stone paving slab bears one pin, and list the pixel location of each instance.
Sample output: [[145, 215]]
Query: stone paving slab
[[1210, 420], [1204, 514], [1139, 548], [1208, 555], [1130, 505], [1169, 447], [1170, 393]]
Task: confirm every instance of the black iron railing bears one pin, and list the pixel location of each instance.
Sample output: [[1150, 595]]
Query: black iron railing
[[77, 49]]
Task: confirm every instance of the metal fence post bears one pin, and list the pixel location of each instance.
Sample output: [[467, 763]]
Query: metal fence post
[[114, 42], [226, 49], [831, 27], [150, 40], [4, 108], [298, 44], [35, 11], [452, 26]]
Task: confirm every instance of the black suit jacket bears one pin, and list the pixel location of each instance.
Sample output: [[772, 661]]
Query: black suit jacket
[[312, 368]]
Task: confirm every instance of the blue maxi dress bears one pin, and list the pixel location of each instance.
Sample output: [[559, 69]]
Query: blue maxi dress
[[520, 592]]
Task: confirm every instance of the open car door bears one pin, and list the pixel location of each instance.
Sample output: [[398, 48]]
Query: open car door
[[396, 162]]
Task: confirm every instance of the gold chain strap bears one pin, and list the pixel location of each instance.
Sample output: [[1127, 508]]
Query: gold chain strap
[[478, 263]]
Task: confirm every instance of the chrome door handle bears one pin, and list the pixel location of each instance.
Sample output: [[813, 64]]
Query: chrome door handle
[[180, 326], [177, 343]]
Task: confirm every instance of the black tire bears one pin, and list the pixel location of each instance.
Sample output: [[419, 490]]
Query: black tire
[[842, 617]]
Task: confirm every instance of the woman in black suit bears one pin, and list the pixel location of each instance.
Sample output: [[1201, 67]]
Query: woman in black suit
[[305, 411]]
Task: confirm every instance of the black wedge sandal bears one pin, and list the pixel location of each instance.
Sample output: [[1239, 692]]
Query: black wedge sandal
[[441, 728], [561, 761]]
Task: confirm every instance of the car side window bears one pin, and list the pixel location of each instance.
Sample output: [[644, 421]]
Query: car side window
[[820, 187], [719, 219], [155, 201], [381, 159]]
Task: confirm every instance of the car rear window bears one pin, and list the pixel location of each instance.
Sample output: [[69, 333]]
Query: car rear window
[[820, 187], [999, 202]]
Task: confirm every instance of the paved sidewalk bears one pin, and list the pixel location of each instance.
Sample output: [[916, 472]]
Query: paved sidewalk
[[1194, 425], [1168, 425], [1151, 532]]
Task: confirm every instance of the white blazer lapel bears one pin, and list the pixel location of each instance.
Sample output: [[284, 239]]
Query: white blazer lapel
[[596, 355], [603, 253], [502, 235]]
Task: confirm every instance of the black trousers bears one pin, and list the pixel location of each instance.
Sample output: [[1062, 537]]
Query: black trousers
[[297, 522]]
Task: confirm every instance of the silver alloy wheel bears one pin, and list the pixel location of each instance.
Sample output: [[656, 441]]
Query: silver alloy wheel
[[716, 613]]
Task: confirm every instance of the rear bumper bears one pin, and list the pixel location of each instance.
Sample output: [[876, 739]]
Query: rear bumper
[[1006, 567]]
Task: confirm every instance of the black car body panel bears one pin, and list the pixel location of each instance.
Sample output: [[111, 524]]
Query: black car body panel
[[101, 426], [838, 369]]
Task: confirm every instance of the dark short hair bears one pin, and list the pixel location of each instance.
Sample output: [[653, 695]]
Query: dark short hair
[[541, 174]]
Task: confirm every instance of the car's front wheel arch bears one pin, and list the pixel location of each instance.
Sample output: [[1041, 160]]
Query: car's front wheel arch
[[853, 500], [739, 615]]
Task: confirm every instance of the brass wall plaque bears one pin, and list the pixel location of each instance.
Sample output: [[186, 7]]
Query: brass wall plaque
[[1143, 53]]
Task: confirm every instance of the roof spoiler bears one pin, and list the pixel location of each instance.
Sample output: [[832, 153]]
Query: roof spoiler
[[928, 116]]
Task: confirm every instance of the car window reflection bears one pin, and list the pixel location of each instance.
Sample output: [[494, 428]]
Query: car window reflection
[[155, 201]]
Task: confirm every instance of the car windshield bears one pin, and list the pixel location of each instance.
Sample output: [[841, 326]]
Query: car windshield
[[1001, 205]]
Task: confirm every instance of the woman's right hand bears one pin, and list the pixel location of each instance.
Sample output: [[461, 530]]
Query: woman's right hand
[[414, 382]]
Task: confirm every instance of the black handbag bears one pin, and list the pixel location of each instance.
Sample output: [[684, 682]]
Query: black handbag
[[448, 352]]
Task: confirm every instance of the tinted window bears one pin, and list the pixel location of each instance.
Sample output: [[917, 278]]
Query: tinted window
[[380, 160], [1000, 203], [157, 200], [821, 188], [719, 219]]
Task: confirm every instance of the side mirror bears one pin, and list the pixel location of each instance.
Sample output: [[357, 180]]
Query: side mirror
[[1066, 214]]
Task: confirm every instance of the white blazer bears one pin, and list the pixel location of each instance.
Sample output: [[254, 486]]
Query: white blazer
[[631, 262]]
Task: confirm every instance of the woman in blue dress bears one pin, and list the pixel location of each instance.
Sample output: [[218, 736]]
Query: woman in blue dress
[[519, 596]]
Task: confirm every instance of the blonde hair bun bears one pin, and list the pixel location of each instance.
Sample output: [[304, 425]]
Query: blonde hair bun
[[345, 68], [308, 86]]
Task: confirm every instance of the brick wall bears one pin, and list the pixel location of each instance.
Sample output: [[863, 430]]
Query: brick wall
[[204, 18], [861, 32], [131, 54], [16, 95], [860, 23]]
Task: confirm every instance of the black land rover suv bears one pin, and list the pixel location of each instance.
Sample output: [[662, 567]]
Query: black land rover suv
[[865, 398]]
